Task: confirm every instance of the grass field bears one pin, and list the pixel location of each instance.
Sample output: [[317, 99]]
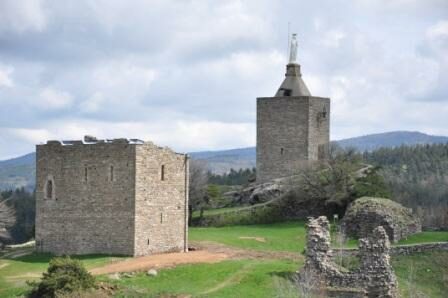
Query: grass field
[[421, 273], [289, 236], [242, 278], [14, 272], [286, 236]]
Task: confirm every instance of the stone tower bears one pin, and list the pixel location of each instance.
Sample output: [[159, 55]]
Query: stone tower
[[293, 127], [119, 196]]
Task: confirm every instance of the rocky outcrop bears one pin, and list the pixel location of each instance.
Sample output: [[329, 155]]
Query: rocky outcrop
[[259, 193], [365, 214], [374, 277]]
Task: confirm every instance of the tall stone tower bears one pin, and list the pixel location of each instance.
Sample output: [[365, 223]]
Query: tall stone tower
[[293, 127]]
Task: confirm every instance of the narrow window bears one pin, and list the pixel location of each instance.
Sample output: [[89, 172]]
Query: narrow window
[[281, 151], [85, 174], [49, 189], [148, 241], [111, 173], [324, 113], [161, 217], [162, 173]]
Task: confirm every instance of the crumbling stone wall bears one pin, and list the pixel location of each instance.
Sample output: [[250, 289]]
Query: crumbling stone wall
[[116, 196], [374, 277], [365, 214]]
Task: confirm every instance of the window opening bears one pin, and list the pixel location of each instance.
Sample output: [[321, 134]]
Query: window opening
[[162, 173], [49, 189], [111, 173]]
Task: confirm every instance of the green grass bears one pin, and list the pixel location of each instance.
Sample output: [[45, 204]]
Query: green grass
[[422, 275], [262, 278], [237, 278], [242, 278], [15, 272], [439, 236], [286, 236]]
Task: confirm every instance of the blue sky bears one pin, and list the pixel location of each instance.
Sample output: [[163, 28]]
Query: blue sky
[[186, 74]]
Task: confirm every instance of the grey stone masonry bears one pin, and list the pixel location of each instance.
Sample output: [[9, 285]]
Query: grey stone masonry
[[118, 196], [366, 213], [374, 277], [291, 129]]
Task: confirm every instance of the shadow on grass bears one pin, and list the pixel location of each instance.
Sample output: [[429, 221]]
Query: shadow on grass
[[46, 257]]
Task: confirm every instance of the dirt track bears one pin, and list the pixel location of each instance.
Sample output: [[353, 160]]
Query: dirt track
[[205, 252], [159, 261]]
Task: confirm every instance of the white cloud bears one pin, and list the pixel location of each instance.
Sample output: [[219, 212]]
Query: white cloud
[[183, 135], [52, 99], [22, 16], [187, 73], [116, 82], [5, 77], [333, 38], [440, 29]]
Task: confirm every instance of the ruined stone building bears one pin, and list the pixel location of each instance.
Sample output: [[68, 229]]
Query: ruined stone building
[[293, 127], [374, 278], [116, 196]]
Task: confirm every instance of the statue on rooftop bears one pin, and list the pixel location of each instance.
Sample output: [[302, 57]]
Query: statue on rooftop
[[293, 49]]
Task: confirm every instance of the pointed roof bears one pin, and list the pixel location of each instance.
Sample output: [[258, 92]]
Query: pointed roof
[[293, 85]]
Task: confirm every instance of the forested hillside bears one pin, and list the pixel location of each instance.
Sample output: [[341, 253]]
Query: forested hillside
[[417, 177]]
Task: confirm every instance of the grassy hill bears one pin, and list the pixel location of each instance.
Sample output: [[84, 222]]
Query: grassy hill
[[20, 171]]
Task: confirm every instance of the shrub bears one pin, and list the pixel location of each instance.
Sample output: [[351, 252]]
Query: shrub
[[64, 275]]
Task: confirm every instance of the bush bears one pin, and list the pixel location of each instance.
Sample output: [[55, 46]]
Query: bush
[[64, 275]]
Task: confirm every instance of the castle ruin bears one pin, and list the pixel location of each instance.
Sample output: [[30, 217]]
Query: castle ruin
[[374, 278], [119, 196], [293, 127]]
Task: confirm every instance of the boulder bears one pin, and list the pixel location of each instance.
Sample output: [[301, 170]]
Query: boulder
[[259, 193], [365, 214], [151, 272]]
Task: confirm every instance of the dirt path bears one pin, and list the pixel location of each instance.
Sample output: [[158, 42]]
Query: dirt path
[[160, 261], [204, 252]]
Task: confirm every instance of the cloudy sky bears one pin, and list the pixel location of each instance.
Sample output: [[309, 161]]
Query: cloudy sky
[[186, 74]]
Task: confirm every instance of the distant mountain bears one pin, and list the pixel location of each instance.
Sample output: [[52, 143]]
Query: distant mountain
[[223, 161], [391, 139], [20, 171]]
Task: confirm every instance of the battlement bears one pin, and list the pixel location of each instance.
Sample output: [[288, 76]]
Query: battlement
[[90, 140]]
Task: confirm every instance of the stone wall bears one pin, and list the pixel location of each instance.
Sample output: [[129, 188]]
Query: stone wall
[[290, 132], [88, 212], [365, 214], [108, 197], [161, 205], [374, 277]]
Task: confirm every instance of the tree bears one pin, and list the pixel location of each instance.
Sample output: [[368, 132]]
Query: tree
[[24, 205], [63, 276], [198, 197], [7, 220]]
